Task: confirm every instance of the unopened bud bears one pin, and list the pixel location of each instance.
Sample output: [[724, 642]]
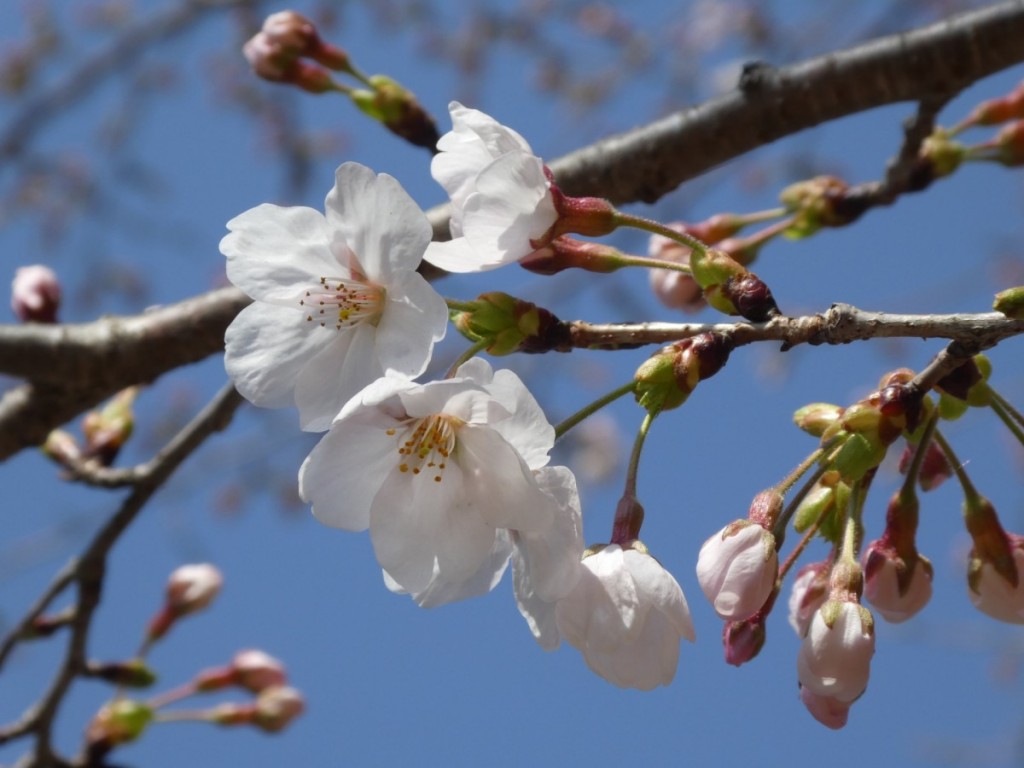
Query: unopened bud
[[131, 674], [118, 722], [815, 418], [897, 587], [1009, 144], [730, 287], [743, 640], [35, 294], [991, 590], [666, 379], [941, 154], [935, 468], [809, 592], [995, 111], [568, 253], [398, 110], [251, 669], [737, 568], [109, 428], [276, 707], [993, 559], [62, 448], [276, 53], [190, 588], [1010, 302], [816, 203], [509, 324]]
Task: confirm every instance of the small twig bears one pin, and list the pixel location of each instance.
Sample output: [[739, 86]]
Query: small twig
[[22, 629], [88, 570], [948, 360]]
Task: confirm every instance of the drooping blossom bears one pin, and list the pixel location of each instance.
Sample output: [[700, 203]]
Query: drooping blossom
[[991, 592], [504, 204], [835, 658], [809, 592], [736, 568], [338, 301], [827, 710], [886, 585], [626, 615], [436, 471], [190, 588]]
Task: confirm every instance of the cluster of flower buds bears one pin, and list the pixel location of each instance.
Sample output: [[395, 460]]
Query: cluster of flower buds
[[35, 294], [823, 201], [675, 289], [288, 49], [507, 324]]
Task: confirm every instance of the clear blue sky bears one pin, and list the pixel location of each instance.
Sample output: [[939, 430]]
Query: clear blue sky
[[390, 684]]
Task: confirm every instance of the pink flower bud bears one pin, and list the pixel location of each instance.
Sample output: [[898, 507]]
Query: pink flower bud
[[675, 290], [191, 588], [897, 588], [835, 657], [276, 707], [991, 591], [276, 52], [810, 590], [35, 294], [743, 640], [935, 469], [257, 671], [737, 568], [828, 711]]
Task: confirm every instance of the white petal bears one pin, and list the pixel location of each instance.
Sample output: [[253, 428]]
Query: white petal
[[276, 254], [378, 220], [538, 612], [344, 472], [415, 317], [658, 589], [416, 522], [266, 348], [646, 663], [499, 484], [550, 560], [486, 578], [457, 255], [527, 429], [333, 376]]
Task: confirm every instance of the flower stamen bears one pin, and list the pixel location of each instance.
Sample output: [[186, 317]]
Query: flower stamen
[[426, 444], [346, 301]]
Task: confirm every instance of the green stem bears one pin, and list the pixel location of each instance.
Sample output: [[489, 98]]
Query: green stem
[[634, 457], [779, 529], [640, 261], [790, 480], [655, 228], [467, 355], [171, 696], [1013, 412], [592, 408], [800, 547], [907, 491], [1006, 414], [760, 216], [971, 494]]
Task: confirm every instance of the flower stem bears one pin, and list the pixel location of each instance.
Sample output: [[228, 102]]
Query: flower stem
[[171, 696], [649, 225], [625, 260], [779, 529], [634, 457], [460, 306], [999, 407], [469, 354], [801, 545], [790, 480], [971, 494], [907, 491], [592, 408], [1007, 406]]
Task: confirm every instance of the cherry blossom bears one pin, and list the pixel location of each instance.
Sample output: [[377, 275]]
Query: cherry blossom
[[435, 471], [501, 196], [828, 711], [883, 574], [35, 294], [626, 615], [737, 568], [835, 657], [809, 592], [338, 301], [992, 594]]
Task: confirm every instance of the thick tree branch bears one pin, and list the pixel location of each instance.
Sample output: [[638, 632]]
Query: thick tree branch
[[927, 64]]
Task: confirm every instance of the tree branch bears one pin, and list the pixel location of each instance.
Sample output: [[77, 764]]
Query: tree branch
[[88, 570]]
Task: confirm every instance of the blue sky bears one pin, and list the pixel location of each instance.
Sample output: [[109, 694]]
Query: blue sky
[[388, 683]]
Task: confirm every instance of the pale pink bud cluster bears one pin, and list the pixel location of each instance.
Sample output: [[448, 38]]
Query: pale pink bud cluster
[[276, 53], [992, 592], [273, 710], [737, 568], [896, 587], [35, 294]]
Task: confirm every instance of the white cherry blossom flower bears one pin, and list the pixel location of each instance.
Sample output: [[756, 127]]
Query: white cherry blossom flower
[[435, 471], [835, 657], [737, 568], [338, 301], [626, 615], [501, 196]]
